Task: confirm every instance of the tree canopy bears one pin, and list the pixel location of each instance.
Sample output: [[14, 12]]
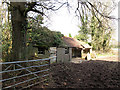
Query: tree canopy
[[42, 36]]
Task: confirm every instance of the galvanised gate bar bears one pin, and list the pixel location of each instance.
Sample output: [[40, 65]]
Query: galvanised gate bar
[[24, 74]]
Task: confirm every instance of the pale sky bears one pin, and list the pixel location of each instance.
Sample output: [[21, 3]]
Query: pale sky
[[66, 22]]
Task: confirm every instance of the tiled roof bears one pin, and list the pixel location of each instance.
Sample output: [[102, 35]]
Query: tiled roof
[[72, 42]]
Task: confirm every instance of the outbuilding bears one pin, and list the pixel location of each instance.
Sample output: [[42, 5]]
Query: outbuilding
[[72, 48]]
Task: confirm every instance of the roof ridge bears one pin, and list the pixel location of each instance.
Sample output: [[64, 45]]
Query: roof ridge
[[73, 42]]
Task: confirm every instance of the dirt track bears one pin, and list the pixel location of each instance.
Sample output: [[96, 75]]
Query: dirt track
[[90, 74], [108, 58]]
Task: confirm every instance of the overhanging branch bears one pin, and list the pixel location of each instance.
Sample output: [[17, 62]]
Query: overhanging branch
[[100, 12], [37, 11]]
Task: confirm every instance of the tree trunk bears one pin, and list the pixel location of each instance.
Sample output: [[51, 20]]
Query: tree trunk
[[19, 28]]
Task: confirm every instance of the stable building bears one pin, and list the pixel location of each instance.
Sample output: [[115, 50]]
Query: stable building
[[72, 48]]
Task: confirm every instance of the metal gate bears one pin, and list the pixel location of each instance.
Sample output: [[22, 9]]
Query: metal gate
[[24, 74]]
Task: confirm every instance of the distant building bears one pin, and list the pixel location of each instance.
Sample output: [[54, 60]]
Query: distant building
[[72, 48]]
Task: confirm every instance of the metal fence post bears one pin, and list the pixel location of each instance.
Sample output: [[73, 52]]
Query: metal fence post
[[49, 62], [49, 71], [14, 75], [56, 56]]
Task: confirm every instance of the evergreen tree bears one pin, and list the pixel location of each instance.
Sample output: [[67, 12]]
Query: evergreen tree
[[83, 33], [70, 35]]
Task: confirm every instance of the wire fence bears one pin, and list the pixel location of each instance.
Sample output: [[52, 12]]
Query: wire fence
[[25, 74]]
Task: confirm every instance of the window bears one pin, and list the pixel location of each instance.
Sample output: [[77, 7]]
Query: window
[[66, 50], [41, 50]]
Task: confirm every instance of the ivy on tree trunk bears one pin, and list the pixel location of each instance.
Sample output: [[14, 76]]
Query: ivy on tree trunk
[[19, 28]]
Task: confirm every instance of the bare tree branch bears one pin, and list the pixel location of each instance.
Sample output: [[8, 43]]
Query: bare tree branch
[[100, 12], [37, 11]]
